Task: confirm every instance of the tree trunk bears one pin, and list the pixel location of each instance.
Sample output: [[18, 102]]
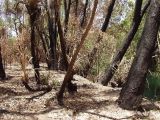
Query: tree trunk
[[76, 8], [84, 14], [45, 46], [35, 60], [63, 61], [34, 11], [132, 92], [109, 13], [68, 75], [52, 28], [2, 71], [138, 14], [67, 12]]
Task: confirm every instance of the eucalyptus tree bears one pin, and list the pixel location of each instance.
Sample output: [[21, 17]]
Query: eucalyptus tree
[[132, 93], [34, 12], [52, 29]]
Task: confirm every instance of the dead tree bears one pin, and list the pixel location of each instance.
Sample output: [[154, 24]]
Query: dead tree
[[67, 7], [68, 75], [132, 93], [52, 28], [44, 44], [33, 12], [84, 14], [2, 71], [138, 14], [64, 61]]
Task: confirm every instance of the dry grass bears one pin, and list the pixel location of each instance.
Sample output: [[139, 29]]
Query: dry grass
[[91, 102]]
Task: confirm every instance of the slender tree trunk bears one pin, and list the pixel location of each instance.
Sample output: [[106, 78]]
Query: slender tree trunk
[[2, 71], [76, 8], [35, 60], [64, 61], [92, 55], [109, 13], [34, 14], [68, 75], [138, 14], [84, 14], [45, 47], [67, 12], [132, 92], [52, 28]]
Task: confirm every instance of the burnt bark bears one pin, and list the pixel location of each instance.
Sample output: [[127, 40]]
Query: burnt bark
[[138, 14], [76, 8], [2, 71], [45, 46], [107, 18], [63, 61], [132, 93], [67, 8], [34, 11], [52, 28], [35, 60], [84, 14]]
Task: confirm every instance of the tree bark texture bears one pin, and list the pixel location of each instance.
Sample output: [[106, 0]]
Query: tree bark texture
[[52, 28], [64, 61], [67, 8], [84, 14], [132, 92], [34, 13], [2, 71]]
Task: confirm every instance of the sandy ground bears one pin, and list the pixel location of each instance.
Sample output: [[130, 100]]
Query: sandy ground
[[91, 102]]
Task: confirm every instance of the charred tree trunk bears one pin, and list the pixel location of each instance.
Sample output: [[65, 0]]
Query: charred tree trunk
[[92, 55], [67, 8], [35, 60], [138, 14], [132, 92], [45, 46], [84, 14], [76, 8], [63, 61], [2, 71], [34, 13], [109, 13], [52, 28]]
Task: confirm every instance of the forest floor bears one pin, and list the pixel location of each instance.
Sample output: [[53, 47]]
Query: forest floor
[[92, 101]]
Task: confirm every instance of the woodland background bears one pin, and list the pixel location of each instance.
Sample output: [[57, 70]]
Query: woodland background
[[114, 43]]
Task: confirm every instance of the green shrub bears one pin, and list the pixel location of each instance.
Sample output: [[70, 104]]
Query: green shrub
[[152, 90]]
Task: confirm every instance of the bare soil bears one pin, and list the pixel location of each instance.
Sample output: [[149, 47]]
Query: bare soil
[[92, 101]]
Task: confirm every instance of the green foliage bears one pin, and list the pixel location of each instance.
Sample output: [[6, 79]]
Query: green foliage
[[152, 90]]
